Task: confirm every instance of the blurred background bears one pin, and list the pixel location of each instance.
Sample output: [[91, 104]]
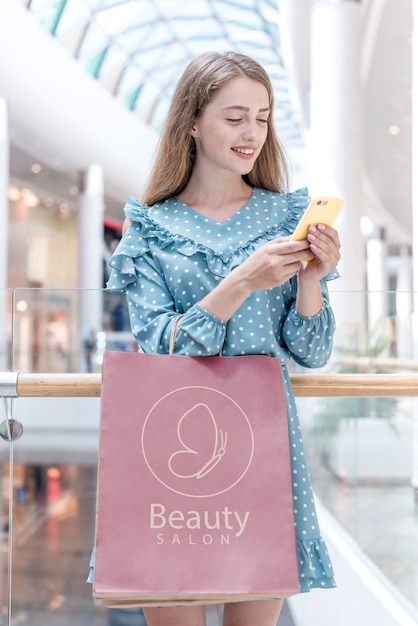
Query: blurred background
[[84, 91]]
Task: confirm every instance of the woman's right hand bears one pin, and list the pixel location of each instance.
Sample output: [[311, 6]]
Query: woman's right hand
[[272, 264], [269, 266]]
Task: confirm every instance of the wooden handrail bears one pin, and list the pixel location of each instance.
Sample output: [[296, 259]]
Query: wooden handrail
[[59, 385], [304, 385]]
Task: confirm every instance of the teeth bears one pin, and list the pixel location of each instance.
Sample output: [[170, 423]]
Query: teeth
[[244, 150]]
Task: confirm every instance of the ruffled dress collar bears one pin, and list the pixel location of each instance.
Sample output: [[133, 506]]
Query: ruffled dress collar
[[225, 245]]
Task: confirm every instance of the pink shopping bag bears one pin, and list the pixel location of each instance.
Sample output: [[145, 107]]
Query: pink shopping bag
[[194, 500]]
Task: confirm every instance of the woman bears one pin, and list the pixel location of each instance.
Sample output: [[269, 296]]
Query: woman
[[211, 241]]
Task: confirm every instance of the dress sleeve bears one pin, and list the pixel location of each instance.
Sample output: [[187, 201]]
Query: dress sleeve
[[152, 311], [152, 315], [309, 339]]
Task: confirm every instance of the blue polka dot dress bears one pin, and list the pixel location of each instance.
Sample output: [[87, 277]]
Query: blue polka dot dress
[[171, 257]]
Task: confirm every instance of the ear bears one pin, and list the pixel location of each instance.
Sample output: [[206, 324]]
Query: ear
[[193, 131]]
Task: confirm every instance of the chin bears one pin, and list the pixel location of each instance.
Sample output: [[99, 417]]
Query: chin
[[247, 169]]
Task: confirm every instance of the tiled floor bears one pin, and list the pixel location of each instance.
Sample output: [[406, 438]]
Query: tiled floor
[[52, 543]]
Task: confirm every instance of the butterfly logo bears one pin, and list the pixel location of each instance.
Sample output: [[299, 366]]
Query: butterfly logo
[[197, 441], [196, 429]]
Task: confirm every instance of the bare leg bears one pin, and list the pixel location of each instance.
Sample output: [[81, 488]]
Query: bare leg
[[260, 612], [175, 616]]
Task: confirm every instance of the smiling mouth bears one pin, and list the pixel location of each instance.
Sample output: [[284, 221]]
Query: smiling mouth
[[246, 151]]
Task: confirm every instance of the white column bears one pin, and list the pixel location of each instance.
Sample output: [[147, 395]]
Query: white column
[[335, 139], [295, 47], [90, 270], [415, 222], [4, 227], [404, 301], [377, 284], [295, 38]]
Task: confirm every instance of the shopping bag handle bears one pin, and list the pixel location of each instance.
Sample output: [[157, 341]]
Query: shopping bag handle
[[173, 333]]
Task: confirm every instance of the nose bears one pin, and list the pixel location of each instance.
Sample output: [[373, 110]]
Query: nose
[[250, 131]]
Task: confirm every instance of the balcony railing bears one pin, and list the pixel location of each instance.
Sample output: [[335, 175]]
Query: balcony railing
[[29, 385]]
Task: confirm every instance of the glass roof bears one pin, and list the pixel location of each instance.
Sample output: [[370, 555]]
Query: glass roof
[[137, 49]]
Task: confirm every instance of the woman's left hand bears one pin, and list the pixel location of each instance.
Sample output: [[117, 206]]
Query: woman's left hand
[[325, 247]]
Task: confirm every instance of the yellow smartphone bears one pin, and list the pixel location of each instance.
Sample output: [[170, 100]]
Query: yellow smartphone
[[321, 210]]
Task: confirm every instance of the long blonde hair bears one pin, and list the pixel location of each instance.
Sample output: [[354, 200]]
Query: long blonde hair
[[201, 80]]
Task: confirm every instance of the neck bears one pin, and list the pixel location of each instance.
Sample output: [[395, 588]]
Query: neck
[[203, 192], [216, 203]]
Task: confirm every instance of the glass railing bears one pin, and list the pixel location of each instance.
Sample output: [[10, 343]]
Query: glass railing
[[362, 451]]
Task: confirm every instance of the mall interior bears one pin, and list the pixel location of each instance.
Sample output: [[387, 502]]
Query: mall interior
[[85, 86]]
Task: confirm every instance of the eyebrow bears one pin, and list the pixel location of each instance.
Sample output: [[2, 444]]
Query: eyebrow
[[242, 108]]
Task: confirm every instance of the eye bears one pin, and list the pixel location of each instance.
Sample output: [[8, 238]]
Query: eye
[[233, 119], [263, 121]]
